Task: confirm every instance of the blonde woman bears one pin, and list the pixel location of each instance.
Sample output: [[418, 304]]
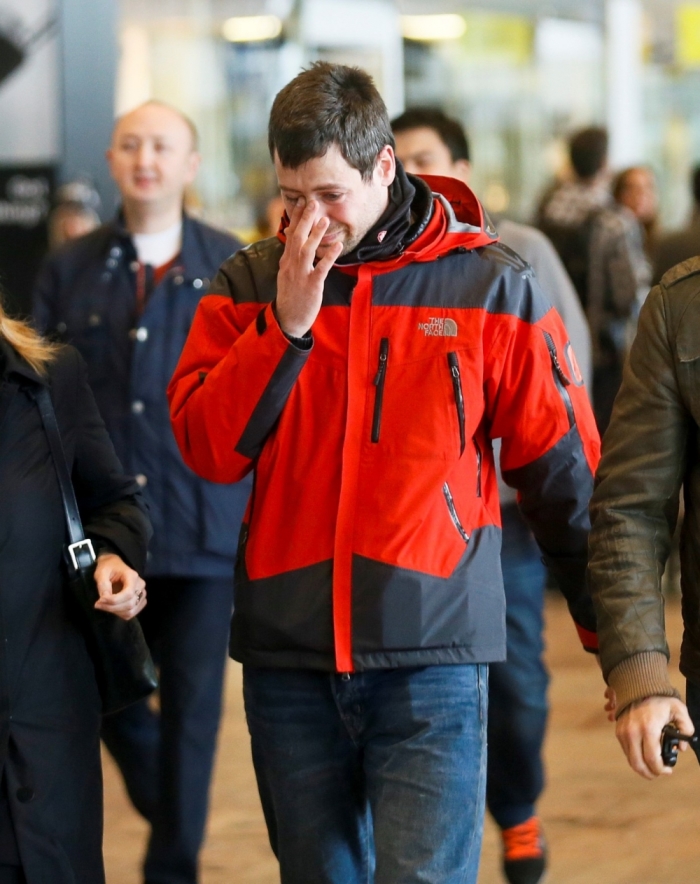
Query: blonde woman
[[50, 775]]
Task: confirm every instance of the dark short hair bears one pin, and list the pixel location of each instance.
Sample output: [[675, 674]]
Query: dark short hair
[[619, 181], [696, 184], [588, 149], [329, 104], [449, 130]]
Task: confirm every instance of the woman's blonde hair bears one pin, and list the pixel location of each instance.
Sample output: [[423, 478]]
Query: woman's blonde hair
[[27, 342]]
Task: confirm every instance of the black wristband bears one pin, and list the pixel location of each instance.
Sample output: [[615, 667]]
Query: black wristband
[[301, 343]]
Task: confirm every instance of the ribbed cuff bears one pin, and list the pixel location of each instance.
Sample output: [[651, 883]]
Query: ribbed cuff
[[640, 676]]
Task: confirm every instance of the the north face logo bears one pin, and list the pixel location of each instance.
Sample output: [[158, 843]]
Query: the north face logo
[[437, 327]]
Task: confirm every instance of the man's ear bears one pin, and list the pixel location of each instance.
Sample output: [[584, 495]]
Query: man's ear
[[193, 164], [463, 170], [385, 167]]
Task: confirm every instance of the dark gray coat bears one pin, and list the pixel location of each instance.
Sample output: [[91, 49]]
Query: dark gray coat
[[49, 703]]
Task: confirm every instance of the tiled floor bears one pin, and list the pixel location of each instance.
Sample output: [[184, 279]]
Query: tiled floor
[[604, 824]]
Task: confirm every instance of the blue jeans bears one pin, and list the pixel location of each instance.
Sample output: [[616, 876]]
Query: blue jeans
[[166, 758], [373, 778], [518, 687]]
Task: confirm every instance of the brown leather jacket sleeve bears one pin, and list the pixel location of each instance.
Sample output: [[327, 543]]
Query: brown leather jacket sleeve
[[634, 509]]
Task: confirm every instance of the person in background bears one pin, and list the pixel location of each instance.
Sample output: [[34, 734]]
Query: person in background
[[360, 363], [74, 214], [635, 188], [428, 142], [619, 276], [567, 210], [125, 295], [672, 248], [50, 770]]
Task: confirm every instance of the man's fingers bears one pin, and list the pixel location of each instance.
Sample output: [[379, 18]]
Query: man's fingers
[[318, 231], [304, 225], [651, 752], [294, 217], [630, 734], [327, 261], [632, 747], [682, 720]]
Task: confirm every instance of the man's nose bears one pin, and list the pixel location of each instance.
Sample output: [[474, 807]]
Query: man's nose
[[144, 154]]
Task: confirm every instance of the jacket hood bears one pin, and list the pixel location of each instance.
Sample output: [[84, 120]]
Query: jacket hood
[[459, 220], [442, 215]]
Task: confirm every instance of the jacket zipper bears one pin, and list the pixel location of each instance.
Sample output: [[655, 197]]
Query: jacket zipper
[[479, 458], [453, 512], [453, 363], [560, 378], [379, 380]]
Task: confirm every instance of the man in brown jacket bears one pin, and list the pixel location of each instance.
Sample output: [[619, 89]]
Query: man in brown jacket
[[650, 451]]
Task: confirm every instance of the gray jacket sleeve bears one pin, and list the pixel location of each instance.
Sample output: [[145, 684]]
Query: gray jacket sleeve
[[538, 251]]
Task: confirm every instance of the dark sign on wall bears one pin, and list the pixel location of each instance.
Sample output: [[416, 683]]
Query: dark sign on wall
[[25, 201]]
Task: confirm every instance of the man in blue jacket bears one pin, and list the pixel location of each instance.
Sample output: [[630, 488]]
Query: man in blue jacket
[[125, 296]]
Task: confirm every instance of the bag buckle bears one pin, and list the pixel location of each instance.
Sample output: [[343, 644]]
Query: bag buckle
[[80, 545]]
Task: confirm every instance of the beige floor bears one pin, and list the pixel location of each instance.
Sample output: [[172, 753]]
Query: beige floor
[[604, 824]]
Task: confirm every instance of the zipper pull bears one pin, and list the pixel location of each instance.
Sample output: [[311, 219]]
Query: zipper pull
[[383, 355], [551, 346]]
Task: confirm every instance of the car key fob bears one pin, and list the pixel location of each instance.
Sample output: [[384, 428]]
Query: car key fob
[[670, 741]]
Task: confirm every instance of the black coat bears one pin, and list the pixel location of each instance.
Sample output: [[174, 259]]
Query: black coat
[[86, 295], [49, 703]]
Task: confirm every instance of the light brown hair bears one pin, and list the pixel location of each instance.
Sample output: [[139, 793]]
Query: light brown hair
[[27, 342]]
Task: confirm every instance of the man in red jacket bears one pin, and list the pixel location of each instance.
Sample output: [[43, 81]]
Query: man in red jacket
[[360, 363]]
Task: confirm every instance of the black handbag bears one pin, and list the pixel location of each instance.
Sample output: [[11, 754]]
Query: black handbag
[[123, 666]]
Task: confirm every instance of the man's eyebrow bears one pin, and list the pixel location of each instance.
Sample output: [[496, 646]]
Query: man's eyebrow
[[330, 186]]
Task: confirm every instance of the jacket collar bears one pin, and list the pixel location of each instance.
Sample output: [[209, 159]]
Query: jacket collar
[[407, 214], [457, 221], [13, 366], [195, 260]]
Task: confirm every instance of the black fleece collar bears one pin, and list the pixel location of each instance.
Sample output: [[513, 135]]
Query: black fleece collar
[[402, 222]]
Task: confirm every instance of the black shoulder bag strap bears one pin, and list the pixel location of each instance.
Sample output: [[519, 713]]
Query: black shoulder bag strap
[[123, 666], [80, 548]]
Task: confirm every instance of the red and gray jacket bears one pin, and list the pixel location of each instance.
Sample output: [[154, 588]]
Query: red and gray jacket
[[372, 536]]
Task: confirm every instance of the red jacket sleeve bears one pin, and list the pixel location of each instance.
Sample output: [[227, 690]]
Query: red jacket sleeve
[[231, 383], [539, 407]]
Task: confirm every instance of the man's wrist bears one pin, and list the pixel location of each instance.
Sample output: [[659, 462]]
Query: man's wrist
[[639, 677], [300, 337], [303, 343]]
